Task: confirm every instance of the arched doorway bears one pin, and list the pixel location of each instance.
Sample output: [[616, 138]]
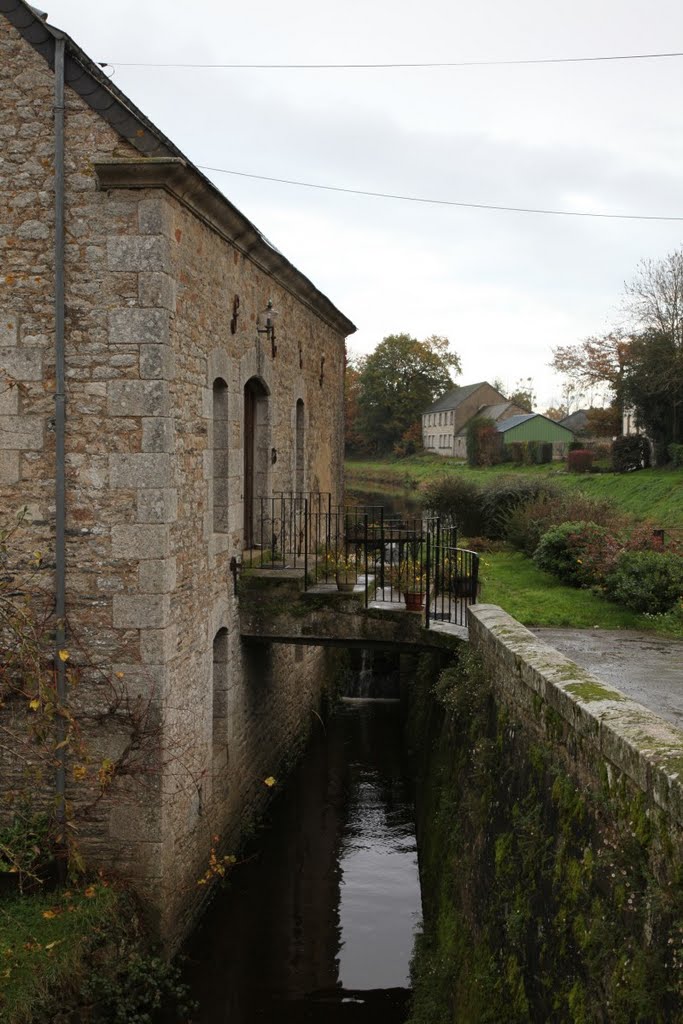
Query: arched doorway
[[256, 453]]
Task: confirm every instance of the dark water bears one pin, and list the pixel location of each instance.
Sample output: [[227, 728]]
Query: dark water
[[319, 925], [406, 503]]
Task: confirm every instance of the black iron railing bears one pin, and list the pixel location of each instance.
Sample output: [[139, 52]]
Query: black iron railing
[[391, 559]]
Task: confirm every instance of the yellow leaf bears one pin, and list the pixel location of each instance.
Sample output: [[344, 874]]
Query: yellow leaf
[[270, 781], [79, 772], [51, 945], [34, 704], [49, 914], [89, 892], [63, 655]]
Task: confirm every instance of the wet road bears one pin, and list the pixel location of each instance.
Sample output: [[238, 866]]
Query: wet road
[[646, 668]]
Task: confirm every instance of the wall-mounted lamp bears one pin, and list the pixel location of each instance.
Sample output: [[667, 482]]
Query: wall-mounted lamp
[[268, 317]]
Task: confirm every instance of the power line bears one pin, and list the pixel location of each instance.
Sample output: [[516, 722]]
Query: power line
[[381, 67], [441, 202]]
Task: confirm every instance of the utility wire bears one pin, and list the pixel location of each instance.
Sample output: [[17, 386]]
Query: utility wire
[[441, 202], [379, 67]]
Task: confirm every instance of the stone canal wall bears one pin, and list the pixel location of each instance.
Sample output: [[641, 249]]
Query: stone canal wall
[[551, 840], [596, 730]]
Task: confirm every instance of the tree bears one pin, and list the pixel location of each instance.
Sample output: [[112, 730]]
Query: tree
[[595, 362], [354, 441], [556, 412], [604, 422], [654, 386], [524, 395], [654, 383], [655, 297], [641, 365], [397, 382]]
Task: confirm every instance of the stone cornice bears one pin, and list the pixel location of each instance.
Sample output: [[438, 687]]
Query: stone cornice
[[175, 176]]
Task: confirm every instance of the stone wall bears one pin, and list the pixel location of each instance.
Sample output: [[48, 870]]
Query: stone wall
[[550, 840], [596, 728], [152, 325]]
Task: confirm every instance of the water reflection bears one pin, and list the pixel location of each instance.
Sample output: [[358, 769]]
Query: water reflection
[[319, 925]]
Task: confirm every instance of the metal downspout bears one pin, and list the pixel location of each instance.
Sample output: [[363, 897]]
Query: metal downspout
[[60, 424]]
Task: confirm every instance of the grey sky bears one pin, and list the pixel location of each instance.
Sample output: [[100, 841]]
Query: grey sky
[[504, 287]]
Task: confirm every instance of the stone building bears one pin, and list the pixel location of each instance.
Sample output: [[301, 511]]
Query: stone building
[[444, 423], [179, 408]]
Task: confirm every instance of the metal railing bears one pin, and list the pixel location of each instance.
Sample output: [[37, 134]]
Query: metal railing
[[391, 559]]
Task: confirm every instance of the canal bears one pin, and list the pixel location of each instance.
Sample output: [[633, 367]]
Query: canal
[[318, 923]]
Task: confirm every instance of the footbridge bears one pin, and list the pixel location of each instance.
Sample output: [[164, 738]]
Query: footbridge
[[352, 576]]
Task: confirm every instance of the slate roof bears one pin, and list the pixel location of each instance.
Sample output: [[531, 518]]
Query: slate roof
[[88, 80], [494, 412], [576, 420], [452, 399]]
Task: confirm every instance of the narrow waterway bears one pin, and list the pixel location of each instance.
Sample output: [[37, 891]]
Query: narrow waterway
[[319, 924]]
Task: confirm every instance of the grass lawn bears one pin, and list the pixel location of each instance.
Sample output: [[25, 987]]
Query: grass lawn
[[536, 598], [655, 495], [45, 940]]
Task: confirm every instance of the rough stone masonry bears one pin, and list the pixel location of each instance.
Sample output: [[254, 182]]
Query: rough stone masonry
[[177, 409]]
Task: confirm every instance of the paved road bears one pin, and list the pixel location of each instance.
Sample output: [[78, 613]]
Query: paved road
[[646, 668]]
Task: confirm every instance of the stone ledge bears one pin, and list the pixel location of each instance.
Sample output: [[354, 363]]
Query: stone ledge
[[628, 736]]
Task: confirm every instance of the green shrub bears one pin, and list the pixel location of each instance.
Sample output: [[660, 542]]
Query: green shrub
[[647, 581], [457, 499], [630, 452], [527, 523], [137, 989], [500, 497], [484, 443], [675, 453], [581, 554]]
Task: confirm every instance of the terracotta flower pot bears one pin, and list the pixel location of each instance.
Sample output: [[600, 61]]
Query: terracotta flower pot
[[414, 601]]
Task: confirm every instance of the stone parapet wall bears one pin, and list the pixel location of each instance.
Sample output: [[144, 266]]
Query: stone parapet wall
[[593, 726]]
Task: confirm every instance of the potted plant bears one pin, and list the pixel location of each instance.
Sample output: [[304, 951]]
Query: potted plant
[[409, 576], [344, 567]]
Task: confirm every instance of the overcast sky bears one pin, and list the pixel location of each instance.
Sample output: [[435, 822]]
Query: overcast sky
[[503, 287]]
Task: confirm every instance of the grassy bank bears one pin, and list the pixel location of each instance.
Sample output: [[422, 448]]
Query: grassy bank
[[46, 944], [536, 598], [655, 495], [80, 955]]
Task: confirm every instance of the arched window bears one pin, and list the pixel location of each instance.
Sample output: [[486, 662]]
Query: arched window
[[220, 688], [257, 453], [220, 456], [299, 449]]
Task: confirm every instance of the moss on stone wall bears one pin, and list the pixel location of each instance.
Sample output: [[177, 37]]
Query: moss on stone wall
[[544, 901]]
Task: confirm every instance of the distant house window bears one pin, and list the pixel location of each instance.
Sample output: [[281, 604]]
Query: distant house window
[[451, 419]]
